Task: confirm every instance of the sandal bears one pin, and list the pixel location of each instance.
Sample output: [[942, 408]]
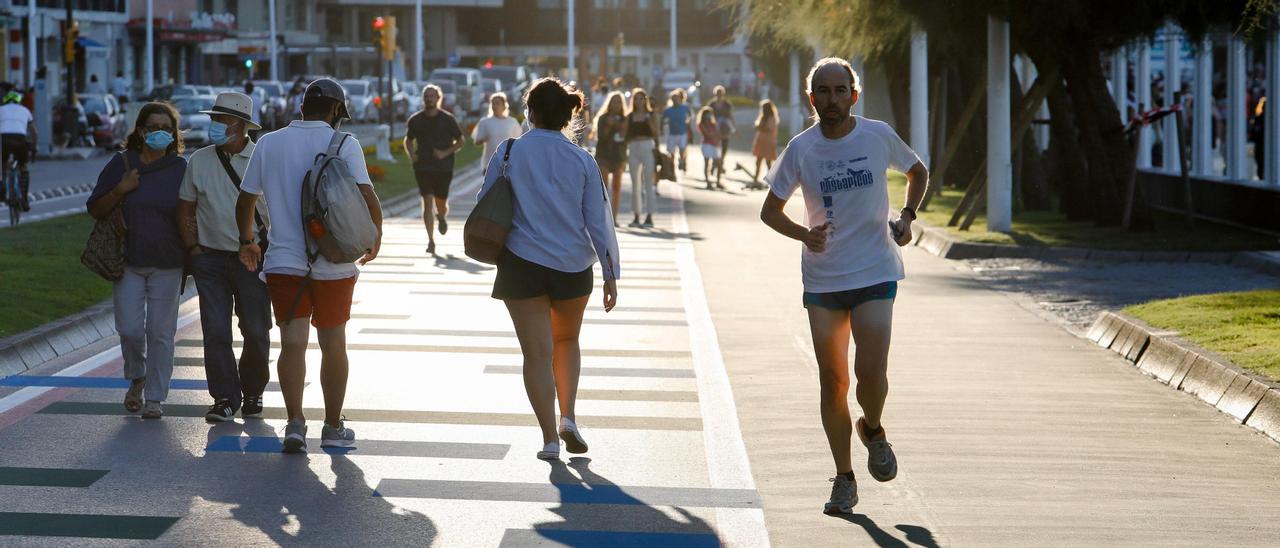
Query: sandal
[[133, 398]]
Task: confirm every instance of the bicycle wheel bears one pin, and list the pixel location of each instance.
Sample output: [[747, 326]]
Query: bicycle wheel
[[14, 200]]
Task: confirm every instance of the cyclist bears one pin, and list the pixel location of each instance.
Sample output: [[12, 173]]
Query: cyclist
[[18, 138]]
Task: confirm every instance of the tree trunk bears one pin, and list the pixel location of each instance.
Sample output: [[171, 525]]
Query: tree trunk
[[1068, 169], [1028, 183]]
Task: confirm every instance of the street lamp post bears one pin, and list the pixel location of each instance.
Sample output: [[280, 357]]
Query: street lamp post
[[920, 94], [417, 33], [571, 55], [673, 61], [31, 42], [150, 77], [271, 46]]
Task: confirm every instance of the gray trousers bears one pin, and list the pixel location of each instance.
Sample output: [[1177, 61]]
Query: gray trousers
[[146, 309]]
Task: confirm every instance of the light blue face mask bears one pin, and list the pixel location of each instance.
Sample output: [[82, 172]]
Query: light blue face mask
[[218, 133], [159, 140]]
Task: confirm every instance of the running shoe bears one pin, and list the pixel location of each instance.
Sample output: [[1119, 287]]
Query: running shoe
[[648, 222], [152, 410], [339, 436], [635, 223], [573, 441], [295, 437], [444, 226], [844, 496], [220, 411], [881, 462], [431, 248], [252, 407]]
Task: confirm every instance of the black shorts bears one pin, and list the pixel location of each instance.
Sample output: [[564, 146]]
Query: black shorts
[[434, 183], [521, 279], [850, 299], [15, 146]]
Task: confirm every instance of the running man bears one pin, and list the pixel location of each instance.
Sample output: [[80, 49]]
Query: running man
[[851, 263], [431, 139]]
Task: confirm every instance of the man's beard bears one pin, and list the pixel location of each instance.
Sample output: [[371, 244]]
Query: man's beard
[[832, 118]]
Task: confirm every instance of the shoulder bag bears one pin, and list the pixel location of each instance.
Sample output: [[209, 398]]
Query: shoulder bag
[[104, 250], [485, 234]]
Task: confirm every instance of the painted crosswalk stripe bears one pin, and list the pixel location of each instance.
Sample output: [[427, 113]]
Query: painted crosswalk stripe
[[574, 493], [444, 349], [604, 372], [356, 416], [382, 448], [514, 538], [84, 525], [107, 382], [49, 477]]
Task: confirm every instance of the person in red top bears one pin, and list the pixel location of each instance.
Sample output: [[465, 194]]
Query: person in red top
[[710, 131]]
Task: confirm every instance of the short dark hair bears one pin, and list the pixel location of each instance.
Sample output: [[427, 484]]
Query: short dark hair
[[315, 107], [554, 103]]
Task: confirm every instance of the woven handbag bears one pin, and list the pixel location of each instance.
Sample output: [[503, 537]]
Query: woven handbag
[[104, 249], [485, 234]]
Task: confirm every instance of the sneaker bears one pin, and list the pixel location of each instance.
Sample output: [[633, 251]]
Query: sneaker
[[152, 410], [252, 407], [844, 496], [444, 226], [881, 462], [634, 223], [220, 411], [295, 437], [648, 222], [550, 451], [341, 436], [572, 437]]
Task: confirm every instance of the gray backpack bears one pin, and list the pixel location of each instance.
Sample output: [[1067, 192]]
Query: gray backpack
[[335, 217]]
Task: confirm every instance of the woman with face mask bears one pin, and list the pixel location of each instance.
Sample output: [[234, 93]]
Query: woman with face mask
[[143, 181]]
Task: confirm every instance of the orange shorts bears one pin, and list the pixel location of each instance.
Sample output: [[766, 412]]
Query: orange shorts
[[328, 302]]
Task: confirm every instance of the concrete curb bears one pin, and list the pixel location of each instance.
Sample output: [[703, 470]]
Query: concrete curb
[[33, 348], [938, 242], [1249, 399]]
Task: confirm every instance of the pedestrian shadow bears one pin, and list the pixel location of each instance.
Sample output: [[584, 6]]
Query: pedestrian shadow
[[454, 262], [293, 504], [581, 517], [915, 534], [663, 234]]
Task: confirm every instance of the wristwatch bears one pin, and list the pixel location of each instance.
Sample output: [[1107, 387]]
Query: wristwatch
[[244, 242], [909, 209]]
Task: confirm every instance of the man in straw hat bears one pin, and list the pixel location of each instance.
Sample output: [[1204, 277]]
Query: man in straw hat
[[207, 225]]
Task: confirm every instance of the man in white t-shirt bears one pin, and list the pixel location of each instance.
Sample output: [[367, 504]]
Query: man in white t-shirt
[[850, 263], [320, 291]]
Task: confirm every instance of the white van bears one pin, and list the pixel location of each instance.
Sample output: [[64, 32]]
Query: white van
[[470, 85]]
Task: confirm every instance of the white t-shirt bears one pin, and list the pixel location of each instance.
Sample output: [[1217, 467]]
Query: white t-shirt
[[275, 172], [492, 131], [14, 118], [843, 181]]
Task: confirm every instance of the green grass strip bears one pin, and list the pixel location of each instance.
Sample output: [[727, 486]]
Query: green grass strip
[[84, 525], [1243, 326], [49, 477]]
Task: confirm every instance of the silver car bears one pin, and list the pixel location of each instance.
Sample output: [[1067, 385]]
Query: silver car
[[193, 124], [360, 95]]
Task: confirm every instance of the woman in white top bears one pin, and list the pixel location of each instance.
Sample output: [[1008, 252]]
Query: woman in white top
[[561, 226], [495, 128]]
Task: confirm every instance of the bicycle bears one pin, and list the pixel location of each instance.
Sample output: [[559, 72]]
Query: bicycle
[[13, 191]]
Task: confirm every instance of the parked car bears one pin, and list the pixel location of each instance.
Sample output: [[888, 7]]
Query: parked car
[[360, 94], [450, 100], [194, 124], [492, 86], [683, 79], [516, 80], [274, 114], [399, 98], [469, 83], [105, 120], [169, 91]]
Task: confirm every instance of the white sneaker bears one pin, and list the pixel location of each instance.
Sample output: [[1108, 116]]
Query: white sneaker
[[573, 441], [551, 451]]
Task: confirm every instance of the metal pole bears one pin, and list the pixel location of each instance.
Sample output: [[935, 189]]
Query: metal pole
[[571, 54], [1202, 117], [1172, 84], [920, 94], [1120, 79], [71, 67], [150, 77], [1236, 121], [31, 42], [271, 47], [673, 62], [1271, 137], [1142, 85], [421, 49], [999, 164]]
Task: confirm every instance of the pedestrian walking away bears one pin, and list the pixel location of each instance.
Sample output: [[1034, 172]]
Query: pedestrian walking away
[[207, 224], [642, 139], [611, 146], [724, 120], [765, 143], [431, 139], [561, 226], [495, 128], [712, 162], [677, 118], [143, 181], [302, 285], [850, 262], [120, 88], [18, 139]]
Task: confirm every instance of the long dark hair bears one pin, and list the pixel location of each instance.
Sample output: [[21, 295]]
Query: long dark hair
[[137, 139]]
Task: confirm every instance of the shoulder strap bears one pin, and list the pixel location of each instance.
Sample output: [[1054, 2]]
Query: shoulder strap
[[506, 157], [235, 178], [335, 144]]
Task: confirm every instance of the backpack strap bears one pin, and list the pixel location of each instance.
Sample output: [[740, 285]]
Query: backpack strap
[[335, 144]]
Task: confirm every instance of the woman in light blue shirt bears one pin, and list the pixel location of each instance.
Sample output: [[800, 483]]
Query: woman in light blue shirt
[[562, 225]]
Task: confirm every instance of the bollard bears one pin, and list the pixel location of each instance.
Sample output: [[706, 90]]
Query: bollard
[[383, 145]]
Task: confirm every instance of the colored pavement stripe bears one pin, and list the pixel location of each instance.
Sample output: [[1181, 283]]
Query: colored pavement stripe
[[568, 493], [603, 372], [383, 448], [106, 382], [49, 477], [443, 349], [514, 538], [84, 525], [403, 416]]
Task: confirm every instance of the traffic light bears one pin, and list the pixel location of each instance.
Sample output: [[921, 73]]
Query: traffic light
[[248, 64], [379, 35], [389, 38], [69, 42]]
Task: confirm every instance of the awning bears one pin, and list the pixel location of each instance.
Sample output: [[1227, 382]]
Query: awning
[[90, 43]]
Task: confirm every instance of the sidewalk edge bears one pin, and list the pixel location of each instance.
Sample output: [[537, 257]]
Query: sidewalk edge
[[1249, 399]]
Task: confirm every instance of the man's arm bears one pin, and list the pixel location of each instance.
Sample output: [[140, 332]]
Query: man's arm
[[408, 148], [250, 254], [774, 217], [375, 213], [455, 147], [917, 185], [187, 225]]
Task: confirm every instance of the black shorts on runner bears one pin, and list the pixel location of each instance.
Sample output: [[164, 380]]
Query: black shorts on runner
[[521, 279], [849, 300], [434, 183]]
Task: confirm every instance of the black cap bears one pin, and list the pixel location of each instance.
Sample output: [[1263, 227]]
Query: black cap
[[329, 89]]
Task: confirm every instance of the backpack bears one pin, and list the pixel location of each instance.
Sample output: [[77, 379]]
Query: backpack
[[485, 234], [335, 217]]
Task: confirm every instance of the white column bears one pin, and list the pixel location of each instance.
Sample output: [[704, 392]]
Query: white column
[[1272, 121], [1142, 85], [150, 76], [271, 46], [572, 54], [421, 47], [859, 108], [797, 121], [1120, 78], [673, 59], [1172, 83], [1202, 98], [999, 157], [920, 93], [31, 42], [1237, 160]]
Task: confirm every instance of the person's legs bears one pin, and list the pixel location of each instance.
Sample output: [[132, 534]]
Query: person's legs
[[442, 206], [128, 299], [756, 176], [291, 367], [532, 321], [162, 287], [214, 280], [615, 190], [440, 183], [634, 161], [429, 218], [333, 371], [566, 324], [650, 185], [830, 331], [253, 308], [872, 324]]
